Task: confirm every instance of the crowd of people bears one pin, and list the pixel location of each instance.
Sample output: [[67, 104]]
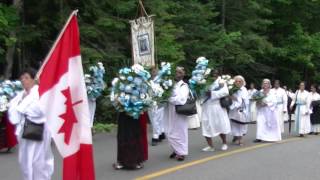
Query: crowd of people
[[215, 118], [278, 106]]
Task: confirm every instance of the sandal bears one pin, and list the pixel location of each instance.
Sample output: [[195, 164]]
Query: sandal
[[179, 158], [139, 166]]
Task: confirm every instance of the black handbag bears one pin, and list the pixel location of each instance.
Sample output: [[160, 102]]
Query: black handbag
[[189, 108], [225, 102], [32, 131]]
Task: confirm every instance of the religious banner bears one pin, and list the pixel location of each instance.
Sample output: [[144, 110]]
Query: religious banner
[[142, 34]]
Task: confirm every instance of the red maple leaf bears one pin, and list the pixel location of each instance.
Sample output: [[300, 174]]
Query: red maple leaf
[[69, 116]]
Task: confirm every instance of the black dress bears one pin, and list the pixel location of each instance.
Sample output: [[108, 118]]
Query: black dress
[[315, 116], [130, 149]]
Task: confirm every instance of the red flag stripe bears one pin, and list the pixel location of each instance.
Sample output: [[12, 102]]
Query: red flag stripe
[[79, 165], [57, 64]]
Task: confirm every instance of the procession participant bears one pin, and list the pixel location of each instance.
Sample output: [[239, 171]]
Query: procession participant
[[252, 104], [315, 108], [8, 140], [215, 120], [130, 154], [177, 124], [302, 111], [282, 102], [156, 116], [35, 156], [239, 110], [268, 126]]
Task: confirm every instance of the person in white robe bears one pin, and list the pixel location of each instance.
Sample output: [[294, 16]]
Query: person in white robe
[[315, 109], [156, 116], [92, 110], [35, 157], [252, 104], [282, 103], [302, 111], [268, 126], [238, 113], [215, 120], [176, 124]]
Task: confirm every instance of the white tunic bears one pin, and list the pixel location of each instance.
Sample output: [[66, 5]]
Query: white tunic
[[281, 106], [241, 102], [252, 106], [302, 112], [176, 124], [156, 116], [268, 126], [35, 157], [215, 120]]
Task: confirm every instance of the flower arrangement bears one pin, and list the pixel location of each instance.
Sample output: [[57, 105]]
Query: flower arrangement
[[258, 96], [230, 83], [94, 81], [8, 90], [198, 80], [162, 83], [131, 91]]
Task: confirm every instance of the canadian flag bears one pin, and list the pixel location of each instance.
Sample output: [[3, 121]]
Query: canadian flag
[[63, 95]]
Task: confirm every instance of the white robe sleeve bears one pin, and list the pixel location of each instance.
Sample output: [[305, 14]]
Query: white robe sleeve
[[285, 101], [181, 96], [14, 115], [223, 92]]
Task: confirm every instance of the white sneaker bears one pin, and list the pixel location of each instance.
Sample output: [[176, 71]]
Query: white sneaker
[[224, 147], [208, 149]]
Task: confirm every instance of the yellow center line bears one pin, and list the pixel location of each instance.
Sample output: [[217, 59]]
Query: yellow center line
[[200, 161]]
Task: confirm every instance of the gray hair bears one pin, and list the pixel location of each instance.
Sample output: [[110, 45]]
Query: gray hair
[[267, 81], [241, 78]]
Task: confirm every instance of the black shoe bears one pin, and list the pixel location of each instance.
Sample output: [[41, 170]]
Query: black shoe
[[162, 137], [154, 142], [316, 133], [257, 141], [173, 155]]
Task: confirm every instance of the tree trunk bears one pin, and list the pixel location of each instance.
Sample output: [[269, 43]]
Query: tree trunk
[[11, 49], [223, 14]]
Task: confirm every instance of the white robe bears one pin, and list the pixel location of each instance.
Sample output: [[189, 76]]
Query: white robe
[[92, 109], [35, 157], [268, 126], [252, 106], [194, 120], [302, 112], [242, 101], [177, 125], [314, 97], [156, 116], [215, 120], [281, 106]]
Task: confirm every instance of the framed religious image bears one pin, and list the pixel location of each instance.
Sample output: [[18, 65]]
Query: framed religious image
[[144, 44]]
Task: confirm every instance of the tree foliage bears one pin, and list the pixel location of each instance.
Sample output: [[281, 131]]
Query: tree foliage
[[276, 39]]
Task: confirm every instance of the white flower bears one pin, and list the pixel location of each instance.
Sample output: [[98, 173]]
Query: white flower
[[142, 96], [228, 77], [231, 81], [230, 87], [122, 94], [170, 83], [163, 63], [127, 97], [115, 81], [137, 68], [203, 81], [122, 77], [200, 59], [207, 72]]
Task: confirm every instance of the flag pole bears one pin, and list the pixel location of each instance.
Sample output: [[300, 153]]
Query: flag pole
[[75, 12]]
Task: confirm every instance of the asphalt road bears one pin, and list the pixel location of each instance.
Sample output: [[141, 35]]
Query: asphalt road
[[293, 159]]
